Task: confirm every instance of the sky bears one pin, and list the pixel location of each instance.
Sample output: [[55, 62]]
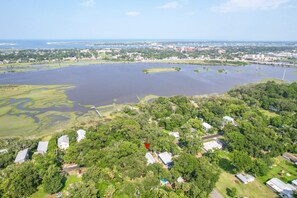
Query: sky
[[234, 20]]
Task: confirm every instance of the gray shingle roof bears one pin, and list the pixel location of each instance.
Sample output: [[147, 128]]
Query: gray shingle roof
[[22, 156], [42, 147], [166, 158], [150, 158], [245, 178], [281, 187], [63, 139]]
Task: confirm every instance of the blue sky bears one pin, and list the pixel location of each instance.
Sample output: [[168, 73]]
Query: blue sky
[[149, 19]]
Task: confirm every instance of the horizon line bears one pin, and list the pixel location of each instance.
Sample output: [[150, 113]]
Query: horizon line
[[143, 39]]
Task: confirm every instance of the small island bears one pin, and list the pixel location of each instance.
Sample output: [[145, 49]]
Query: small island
[[158, 70]]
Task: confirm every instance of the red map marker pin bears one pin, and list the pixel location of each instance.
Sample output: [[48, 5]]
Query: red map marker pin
[[147, 145]]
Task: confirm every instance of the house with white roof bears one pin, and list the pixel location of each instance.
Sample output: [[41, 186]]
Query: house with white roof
[[180, 180], [174, 134], [245, 178], [206, 126], [211, 145], [3, 151], [81, 134], [294, 182], [150, 158], [63, 142], [166, 158], [22, 156], [42, 147], [228, 119], [284, 190]]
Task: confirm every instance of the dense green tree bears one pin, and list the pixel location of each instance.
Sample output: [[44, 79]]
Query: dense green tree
[[54, 180], [242, 161], [231, 192], [19, 181], [82, 190]]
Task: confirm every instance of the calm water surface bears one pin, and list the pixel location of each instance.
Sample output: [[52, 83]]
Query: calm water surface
[[101, 84]]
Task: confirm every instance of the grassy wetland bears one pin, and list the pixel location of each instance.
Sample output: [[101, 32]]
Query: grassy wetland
[[159, 70], [42, 110], [22, 107]]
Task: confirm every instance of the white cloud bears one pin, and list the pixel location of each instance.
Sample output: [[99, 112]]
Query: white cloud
[[171, 5], [132, 13], [236, 5], [88, 3]]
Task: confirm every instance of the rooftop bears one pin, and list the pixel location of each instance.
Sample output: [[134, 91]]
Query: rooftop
[[42, 147], [206, 125], [174, 134], [245, 178], [166, 158], [281, 187], [150, 158], [3, 150], [215, 144], [21, 156], [81, 133], [63, 139], [290, 156], [228, 118]]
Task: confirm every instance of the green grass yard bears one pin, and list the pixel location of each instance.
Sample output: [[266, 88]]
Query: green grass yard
[[41, 194], [281, 165], [255, 189]]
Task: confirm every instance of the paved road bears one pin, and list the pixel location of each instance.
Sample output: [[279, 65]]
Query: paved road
[[211, 136], [215, 194]]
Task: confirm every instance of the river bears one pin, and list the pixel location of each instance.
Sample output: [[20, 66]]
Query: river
[[105, 83]]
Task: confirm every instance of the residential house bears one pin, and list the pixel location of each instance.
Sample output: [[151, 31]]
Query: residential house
[[228, 119], [206, 126], [245, 178], [211, 145], [63, 142], [81, 134], [166, 158], [290, 157], [22, 156], [294, 182], [174, 134], [3, 151], [284, 190], [150, 158], [42, 147], [180, 180]]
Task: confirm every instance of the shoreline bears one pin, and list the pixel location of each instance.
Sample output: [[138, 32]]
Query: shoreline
[[28, 67]]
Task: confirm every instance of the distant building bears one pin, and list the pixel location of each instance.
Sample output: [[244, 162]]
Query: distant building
[[63, 142], [42, 147], [81, 134], [22, 156], [150, 158], [3, 151], [174, 134], [290, 157], [166, 158], [206, 126], [294, 182], [228, 119], [214, 144], [245, 178], [284, 190], [180, 180]]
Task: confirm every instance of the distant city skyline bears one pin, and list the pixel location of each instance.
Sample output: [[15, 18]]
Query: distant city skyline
[[225, 20]]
